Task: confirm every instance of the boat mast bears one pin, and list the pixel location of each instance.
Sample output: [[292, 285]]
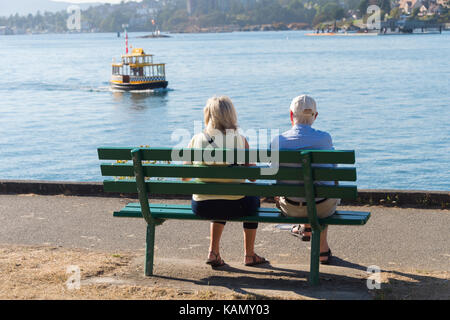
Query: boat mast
[[125, 26]]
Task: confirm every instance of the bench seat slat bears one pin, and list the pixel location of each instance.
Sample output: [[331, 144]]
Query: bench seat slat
[[265, 215], [189, 208]]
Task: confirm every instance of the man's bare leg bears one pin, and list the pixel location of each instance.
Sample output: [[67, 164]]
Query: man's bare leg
[[324, 247]]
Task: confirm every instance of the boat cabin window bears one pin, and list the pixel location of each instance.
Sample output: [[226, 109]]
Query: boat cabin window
[[116, 70], [137, 72], [160, 70]]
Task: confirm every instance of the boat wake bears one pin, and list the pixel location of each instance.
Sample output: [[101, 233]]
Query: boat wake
[[98, 89], [147, 91], [48, 86], [52, 87]]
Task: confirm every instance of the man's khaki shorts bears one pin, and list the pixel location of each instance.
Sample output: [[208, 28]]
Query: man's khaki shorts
[[324, 209]]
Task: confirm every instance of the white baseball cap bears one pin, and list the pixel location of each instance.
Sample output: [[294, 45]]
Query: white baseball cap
[[303, 106]]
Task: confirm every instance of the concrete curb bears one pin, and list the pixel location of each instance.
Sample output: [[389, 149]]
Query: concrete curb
[[403, 198], [400, 198]]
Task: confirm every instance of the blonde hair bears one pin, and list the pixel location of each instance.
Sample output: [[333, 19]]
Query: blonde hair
[[220, 114]]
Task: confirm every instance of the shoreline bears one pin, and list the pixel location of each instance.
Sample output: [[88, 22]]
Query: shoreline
[[169, 34], [383, 197]]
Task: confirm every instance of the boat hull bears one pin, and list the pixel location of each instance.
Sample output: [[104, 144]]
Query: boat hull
[[139, 86]]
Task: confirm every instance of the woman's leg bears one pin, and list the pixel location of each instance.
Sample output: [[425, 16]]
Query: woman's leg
[[205, 209], [216, 230], [251, 204], [249, 241], [251, 258]]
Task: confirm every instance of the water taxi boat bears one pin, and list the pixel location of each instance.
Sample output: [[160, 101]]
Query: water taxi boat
[[137, 72]]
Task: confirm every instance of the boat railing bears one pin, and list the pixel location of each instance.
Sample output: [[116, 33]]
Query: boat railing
[[147, 78]]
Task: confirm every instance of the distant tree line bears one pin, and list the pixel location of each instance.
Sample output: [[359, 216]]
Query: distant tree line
[[173, 15], [262, 12]]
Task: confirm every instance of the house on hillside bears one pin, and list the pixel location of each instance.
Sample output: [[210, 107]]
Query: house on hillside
[[407, 6], [4, 31], [444, 3], [222, 5], [426, 7]]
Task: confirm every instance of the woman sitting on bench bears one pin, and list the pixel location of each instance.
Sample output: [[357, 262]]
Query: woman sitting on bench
[[221, 125]]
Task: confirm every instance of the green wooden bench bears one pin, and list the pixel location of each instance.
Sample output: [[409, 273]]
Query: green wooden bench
[[144, 166]]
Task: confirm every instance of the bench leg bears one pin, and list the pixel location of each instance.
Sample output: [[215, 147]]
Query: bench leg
[[315, 258], [150, 250]]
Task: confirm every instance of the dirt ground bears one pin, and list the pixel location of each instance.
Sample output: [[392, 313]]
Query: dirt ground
[[43, 272]]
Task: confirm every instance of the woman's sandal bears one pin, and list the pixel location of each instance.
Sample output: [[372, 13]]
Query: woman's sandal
[[217, 262], [326, 254], [301, 233], [256, 260]]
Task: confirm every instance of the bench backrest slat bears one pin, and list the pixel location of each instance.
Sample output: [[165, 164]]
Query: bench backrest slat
[[223, 172], [239, 156], [248, 189]]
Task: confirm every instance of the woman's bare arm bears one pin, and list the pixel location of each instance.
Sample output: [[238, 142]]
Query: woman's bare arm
[[247, 147], [187, 162]]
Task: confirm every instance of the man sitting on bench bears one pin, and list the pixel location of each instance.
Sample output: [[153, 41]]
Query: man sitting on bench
[[302, 136]]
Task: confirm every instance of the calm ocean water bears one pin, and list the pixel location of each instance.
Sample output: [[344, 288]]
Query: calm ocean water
[[387, 97]]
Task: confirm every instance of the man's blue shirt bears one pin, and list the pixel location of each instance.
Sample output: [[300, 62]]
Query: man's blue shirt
[[303, 137]]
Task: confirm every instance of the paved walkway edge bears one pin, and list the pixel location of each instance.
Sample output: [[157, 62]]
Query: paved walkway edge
[[403, 198]]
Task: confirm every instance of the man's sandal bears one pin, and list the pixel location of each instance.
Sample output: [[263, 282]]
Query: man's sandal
[[301, 233], [326, 254], [256, 260], [217, 262]]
